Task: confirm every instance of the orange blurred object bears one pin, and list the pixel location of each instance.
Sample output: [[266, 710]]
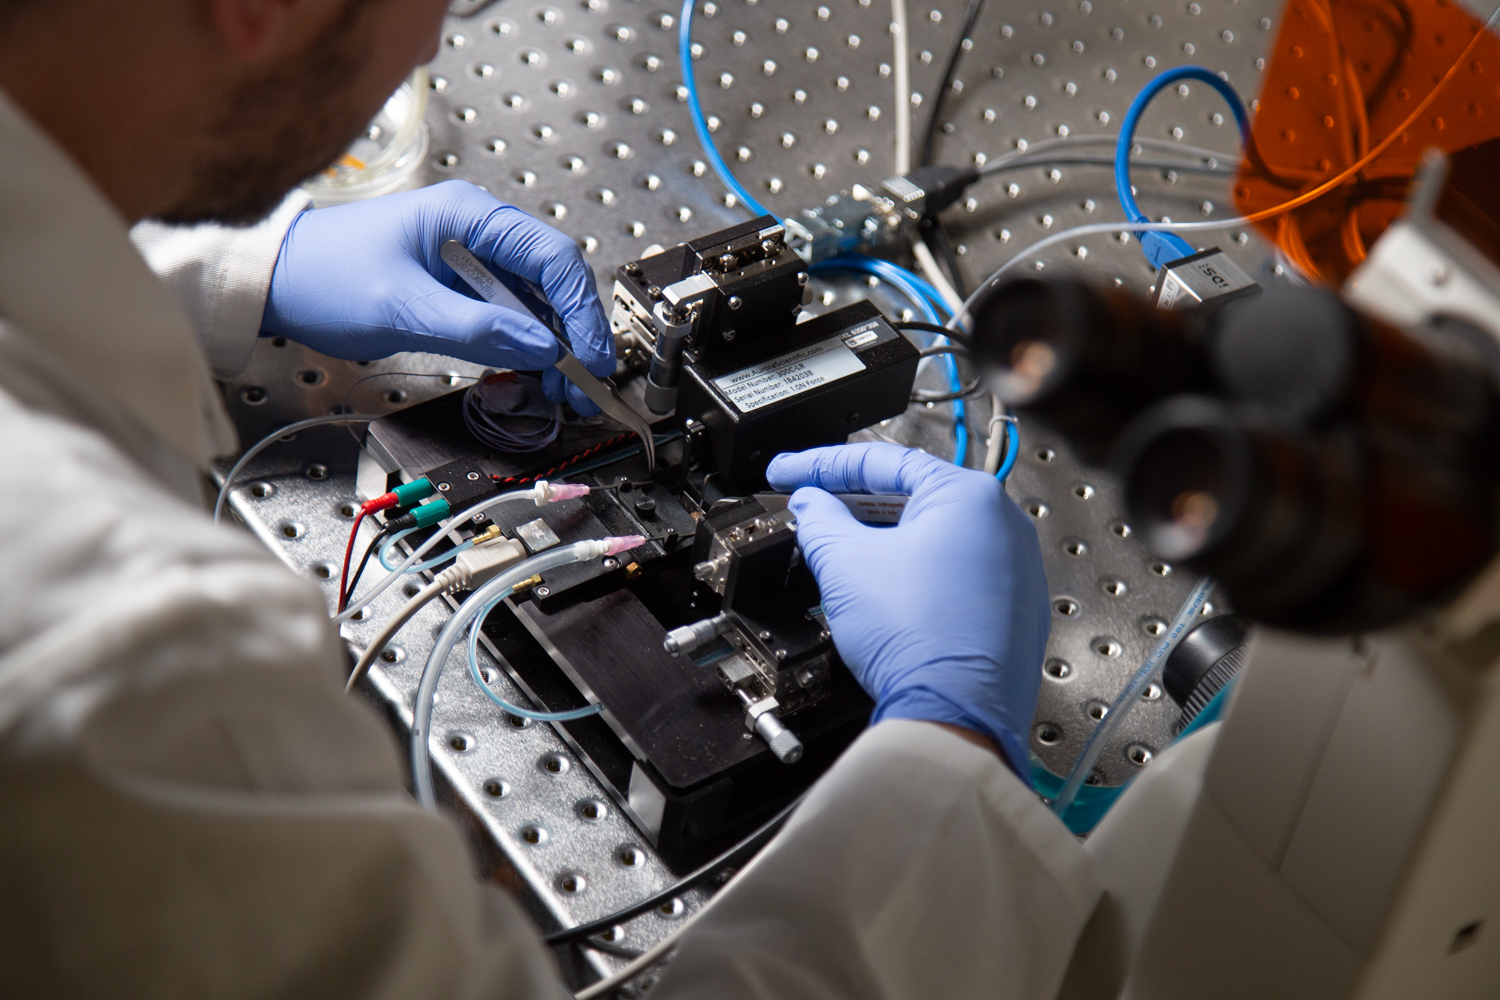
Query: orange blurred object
[[1343, 77]]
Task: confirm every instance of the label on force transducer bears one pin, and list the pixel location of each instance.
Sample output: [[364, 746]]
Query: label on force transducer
[[812, 366]]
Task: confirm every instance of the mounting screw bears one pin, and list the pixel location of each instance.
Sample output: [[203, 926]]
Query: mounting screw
[[610, 562], [781, 654], [765, 636], [735, 301], [544, 591], [473, 476], [443, 487], [802, 279]]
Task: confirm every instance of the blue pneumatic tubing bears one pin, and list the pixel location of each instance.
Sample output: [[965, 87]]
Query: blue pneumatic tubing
[[1161, 248], [922, 294], [1012, 449], [700, 125]]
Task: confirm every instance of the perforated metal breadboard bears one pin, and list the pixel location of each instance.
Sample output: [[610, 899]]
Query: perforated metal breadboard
[[575, 112]]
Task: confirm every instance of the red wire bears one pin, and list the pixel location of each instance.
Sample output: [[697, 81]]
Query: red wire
[[378, 505], [348, 556], [574, 460]]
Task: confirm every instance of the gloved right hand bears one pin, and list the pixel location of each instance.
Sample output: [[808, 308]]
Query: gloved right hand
[[943, 617], [365, 280]]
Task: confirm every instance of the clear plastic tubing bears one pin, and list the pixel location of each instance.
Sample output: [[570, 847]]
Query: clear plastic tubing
[[421, 762], [277, 435], [1148, 672], [422, 567], [427, 546], [525, 713]]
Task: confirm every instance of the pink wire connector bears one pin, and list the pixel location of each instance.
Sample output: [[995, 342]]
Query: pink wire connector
[[544, 492], [623, 543]]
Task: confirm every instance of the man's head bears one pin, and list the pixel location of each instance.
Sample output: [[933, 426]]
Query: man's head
[[208, 110]]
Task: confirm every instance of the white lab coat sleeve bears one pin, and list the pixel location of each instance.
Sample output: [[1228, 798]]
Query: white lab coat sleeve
[[192, 806], [919, 867], [221, 276]]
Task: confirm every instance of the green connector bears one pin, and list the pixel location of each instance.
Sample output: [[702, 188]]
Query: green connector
[[413, 492], [431, 513]]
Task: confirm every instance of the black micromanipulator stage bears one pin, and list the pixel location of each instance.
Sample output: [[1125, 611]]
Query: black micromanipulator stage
[[724, 697]]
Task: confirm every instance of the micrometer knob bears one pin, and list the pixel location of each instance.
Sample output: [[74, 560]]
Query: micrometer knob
[[673, 326], [690, 637], [783, 742], [666, 371]]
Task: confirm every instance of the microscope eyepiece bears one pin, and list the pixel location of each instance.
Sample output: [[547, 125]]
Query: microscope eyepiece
[[1085, 359], [1333, 472]]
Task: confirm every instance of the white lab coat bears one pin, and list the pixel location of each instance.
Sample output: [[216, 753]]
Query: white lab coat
[[190, 807]]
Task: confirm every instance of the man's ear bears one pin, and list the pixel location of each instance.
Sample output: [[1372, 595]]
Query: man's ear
[[257, 30]]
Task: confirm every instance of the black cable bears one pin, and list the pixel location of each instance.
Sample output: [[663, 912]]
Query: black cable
[[947, 397], [734, 856], [940, 98], [957, 336], [958, 349], [354, 580], [1104, 161], [935, 235], [933, 230]]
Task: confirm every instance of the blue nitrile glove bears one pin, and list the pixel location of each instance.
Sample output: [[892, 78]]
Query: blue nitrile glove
[[942, 617], [364, 280]]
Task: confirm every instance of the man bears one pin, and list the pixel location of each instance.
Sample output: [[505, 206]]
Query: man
[[188, 804]]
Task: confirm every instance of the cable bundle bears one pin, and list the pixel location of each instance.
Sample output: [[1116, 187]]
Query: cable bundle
[[508, 412]]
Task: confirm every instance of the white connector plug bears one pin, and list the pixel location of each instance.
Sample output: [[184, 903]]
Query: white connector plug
[[475, 566], [544, 492]]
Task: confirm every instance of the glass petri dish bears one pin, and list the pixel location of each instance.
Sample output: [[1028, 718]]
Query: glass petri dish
[[387, 157]]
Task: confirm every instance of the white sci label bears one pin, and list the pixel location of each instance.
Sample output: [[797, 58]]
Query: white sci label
[[812, 366]]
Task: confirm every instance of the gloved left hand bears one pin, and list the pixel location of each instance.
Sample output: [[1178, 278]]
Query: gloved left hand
[[364, 281], [942, 617]]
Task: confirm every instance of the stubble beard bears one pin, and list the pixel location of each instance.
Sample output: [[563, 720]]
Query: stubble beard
[[279, 129]]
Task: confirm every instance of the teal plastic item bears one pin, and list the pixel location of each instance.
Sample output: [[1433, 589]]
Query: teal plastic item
[[1088, 808], [1093, 801], [431, 513], [414, 492]]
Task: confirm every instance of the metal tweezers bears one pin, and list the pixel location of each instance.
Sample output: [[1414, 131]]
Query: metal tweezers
[[601, 391]]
